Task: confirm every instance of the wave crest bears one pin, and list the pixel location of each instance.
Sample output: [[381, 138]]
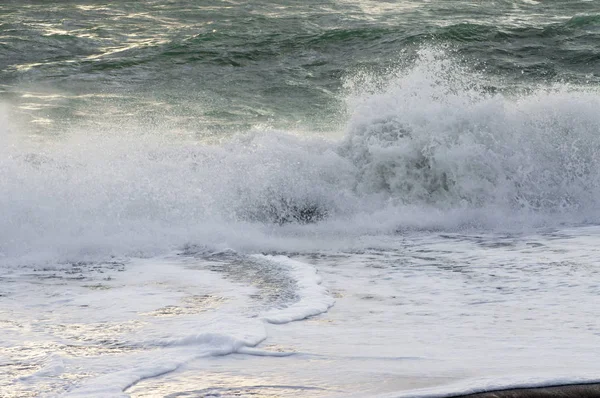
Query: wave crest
[[433, 135], [425, 147]]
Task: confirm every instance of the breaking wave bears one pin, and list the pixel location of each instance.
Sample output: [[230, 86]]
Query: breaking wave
[[425, 147], [434, 136]]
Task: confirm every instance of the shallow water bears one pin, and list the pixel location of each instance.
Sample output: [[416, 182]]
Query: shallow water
[[422, 314]]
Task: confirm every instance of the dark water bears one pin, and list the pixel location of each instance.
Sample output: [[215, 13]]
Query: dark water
[[214, 67]]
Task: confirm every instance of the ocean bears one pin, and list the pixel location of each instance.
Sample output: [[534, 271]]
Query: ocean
[[338, 198]]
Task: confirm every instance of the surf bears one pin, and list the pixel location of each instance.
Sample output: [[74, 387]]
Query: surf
[[426, 146]]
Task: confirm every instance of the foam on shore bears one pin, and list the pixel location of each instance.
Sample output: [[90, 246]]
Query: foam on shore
[[313, 298]]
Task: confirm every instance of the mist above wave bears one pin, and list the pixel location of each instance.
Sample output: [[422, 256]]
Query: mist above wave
[[433, 135], [425, 147]]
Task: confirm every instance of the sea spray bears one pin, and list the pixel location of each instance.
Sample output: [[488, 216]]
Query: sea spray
[[425, 147], [433, 136]]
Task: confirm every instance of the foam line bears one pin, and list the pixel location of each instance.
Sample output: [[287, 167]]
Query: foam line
[[176, 353], [314, 298]]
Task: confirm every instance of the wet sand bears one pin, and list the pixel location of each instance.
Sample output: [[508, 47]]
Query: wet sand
[[564, 391]]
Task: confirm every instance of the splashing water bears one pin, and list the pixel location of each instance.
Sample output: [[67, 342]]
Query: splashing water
[[434, 136], [425, 147]]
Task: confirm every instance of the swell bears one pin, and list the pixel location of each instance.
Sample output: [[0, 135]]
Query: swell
[[240, 48]]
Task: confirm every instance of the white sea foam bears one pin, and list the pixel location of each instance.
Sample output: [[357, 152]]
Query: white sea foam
[[313, 298], [119, 329], [118, 378], [433, 136], [145, 320], [425, 147]]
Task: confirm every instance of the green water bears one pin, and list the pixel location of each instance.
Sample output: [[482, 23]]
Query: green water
[[210, 68]]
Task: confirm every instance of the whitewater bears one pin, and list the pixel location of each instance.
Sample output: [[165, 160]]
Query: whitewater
[[431, 149], [444, 243], [342, 198]]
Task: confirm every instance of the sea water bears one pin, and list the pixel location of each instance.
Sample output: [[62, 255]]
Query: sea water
[[340, 198]]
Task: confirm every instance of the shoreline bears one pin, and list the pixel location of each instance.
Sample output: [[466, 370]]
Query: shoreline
[[580, 390]]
